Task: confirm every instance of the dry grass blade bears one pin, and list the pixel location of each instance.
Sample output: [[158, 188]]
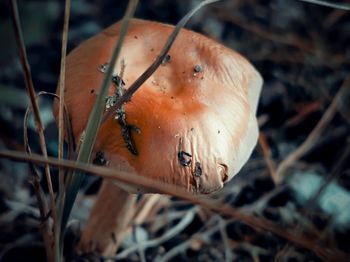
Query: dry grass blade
[[153, 67], [67, 125], [39, 194], [326, 252], [335, 5], [94, 121], [33, 103], [35, 181], [31, 93], [35, 173], [314, 135], [68, 131], [61, 127]]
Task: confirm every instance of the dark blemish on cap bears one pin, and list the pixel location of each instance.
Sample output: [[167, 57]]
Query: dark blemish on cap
[[184, 158], [218, 131], [166, 59], [127, 135], [100, 159], [152, 49], [135, 36], [197, 170], [92, 91], [172, 97], [118, 81], [192, 129], [103, 68], [110, 101], [197, 68]]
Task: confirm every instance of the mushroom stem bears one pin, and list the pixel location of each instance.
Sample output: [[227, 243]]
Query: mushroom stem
[[108, 221]]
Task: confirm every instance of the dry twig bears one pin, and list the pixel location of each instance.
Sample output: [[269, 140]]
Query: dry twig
[[267, 155], [201, 236], [341, 6], [308, 242], [313, 137], [184, 222], [144, 208], [285, 39]]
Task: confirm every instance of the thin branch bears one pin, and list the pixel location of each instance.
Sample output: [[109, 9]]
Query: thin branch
[[308, 242], [224, 237], [184, 222], [285, 39], [313, 137], [144, 210], [341, 6], [203, 236], [267, 155]]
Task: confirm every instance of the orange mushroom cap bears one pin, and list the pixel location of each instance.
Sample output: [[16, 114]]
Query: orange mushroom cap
[[196, 113]]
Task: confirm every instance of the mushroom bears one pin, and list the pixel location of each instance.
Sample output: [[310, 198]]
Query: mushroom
[[192, 124]]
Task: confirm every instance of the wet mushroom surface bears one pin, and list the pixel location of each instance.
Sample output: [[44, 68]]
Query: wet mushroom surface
[[191, 124]]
